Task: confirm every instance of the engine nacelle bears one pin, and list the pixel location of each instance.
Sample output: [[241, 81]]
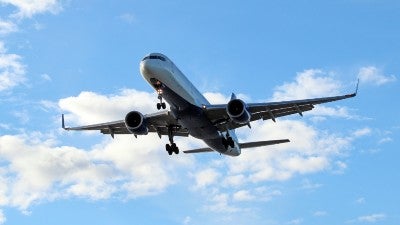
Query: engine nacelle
[[237, 111], [135, 122]]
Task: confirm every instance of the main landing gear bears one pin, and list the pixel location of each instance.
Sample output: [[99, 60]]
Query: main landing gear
[[228, 141], [171, 148]]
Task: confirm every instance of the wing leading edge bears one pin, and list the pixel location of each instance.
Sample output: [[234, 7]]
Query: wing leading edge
[[156, 122], [269, 110]]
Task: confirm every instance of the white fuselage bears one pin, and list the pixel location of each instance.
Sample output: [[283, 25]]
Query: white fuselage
[[185, 100]]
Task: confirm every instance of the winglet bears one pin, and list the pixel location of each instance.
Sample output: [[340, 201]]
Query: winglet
[[355, 92], [358, 81], [62, 122]]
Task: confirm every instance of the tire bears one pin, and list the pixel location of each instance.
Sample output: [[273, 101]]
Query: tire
[[168, 148], [176, 150]]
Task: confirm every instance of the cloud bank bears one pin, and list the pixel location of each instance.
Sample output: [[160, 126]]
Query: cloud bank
[[36, 168]]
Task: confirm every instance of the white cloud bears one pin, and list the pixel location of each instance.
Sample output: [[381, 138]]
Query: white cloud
[[314, 83], [308, 152], [27, 9], [37, 170], [12, 71], [7, 27], [243, 195], [90, 107], [321, 111], [373, 75], [362, 132], [234, 180], [216, 98], [220, 204], [310, 83], [206, 177], [371, 218], [3, 219]]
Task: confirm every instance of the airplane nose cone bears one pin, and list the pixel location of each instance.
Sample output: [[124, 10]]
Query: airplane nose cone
[[145, 67], [152, 67]]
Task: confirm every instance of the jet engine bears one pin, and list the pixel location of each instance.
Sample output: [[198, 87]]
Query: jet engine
[[135, 122], [237, 111]]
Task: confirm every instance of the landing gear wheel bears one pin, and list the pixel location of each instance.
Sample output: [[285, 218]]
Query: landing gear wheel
[[161, 104], [174, 148], [169, 149]]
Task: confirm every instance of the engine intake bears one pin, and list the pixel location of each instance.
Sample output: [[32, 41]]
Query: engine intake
[[135, 122], [237, 111]]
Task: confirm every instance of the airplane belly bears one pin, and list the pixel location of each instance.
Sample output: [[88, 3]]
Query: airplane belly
[[199, 127]]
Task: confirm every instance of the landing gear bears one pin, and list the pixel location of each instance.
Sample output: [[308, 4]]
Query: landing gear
[[161, 104], [171, 148], [228, 142]]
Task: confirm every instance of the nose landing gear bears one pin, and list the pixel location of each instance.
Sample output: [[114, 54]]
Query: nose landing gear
[[161, 104]]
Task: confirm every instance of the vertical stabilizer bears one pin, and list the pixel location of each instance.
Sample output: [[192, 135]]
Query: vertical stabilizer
[[233, 96]]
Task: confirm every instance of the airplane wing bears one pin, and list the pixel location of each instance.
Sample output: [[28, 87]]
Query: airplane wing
[[242, 145], [270, 110], [156, 122]]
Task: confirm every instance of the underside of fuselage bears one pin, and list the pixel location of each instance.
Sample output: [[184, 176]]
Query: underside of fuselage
[[194, 119]]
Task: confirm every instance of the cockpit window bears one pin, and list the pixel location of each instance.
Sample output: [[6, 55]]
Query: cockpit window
[[154, 57]]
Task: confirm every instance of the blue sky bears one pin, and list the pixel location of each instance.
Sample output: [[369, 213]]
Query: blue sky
[[81, 58]]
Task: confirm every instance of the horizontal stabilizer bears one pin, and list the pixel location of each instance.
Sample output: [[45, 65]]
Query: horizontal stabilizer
[[199, 150], [262, 143], [243, 145]]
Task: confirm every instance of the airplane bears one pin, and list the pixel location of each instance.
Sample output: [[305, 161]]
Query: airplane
[[190, 113]]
